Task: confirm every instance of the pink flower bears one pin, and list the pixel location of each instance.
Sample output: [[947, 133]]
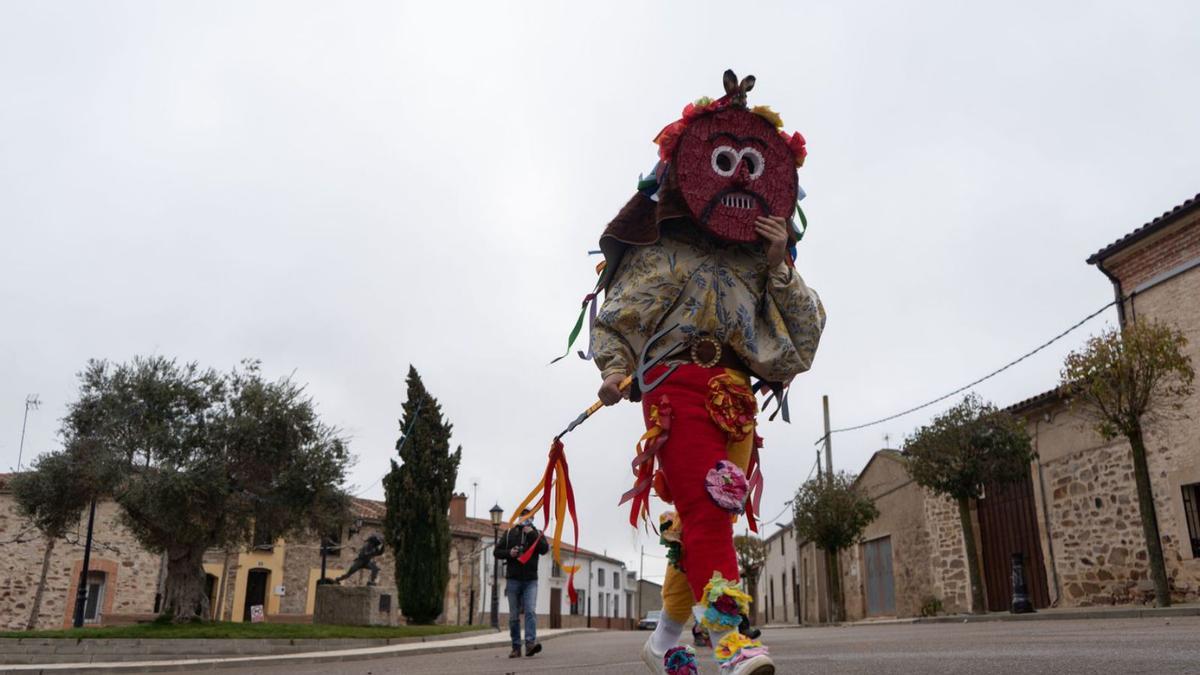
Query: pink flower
[[727, 486]]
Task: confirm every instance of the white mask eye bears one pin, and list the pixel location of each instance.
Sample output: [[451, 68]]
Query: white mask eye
[[724, 160], [754, 161]]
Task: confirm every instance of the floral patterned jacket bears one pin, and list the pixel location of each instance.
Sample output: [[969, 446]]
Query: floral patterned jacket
[[770, 318]]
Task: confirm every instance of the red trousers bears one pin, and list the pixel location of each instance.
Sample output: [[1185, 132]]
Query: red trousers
[[695, 444]]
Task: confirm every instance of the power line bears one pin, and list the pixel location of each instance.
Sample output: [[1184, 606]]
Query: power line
[[963, 388], [403, 440]]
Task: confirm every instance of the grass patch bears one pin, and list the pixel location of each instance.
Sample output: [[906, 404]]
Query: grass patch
[[242, 631]]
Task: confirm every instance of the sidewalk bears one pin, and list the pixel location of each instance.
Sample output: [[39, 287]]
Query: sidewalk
[[490, 640], [1050, 614]]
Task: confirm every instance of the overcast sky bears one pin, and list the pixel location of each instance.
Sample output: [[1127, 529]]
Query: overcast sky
[[342, 189]]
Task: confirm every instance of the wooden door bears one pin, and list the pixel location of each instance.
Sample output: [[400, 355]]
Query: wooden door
[[1008, 525], [256, 591], [556, 608], [881, 593]]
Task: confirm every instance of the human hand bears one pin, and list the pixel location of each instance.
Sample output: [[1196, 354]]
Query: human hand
[[610, 391], [774, 231], [514, 552]]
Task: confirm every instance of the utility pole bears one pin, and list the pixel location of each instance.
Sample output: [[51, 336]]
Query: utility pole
[[31, 401], [641, 575], [828, 439]]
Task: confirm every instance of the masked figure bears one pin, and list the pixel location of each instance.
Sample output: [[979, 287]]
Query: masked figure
[[700, 280]]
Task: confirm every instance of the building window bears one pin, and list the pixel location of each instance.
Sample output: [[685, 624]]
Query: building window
[[555, 570], [264, 539], [580, 603], [600, 578], [1191, 512], [771, 605], [616, 580], [95, 596]]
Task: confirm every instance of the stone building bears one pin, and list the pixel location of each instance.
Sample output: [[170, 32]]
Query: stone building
[[1074, 520], [1093, 548], [280, 575], [123, 581]]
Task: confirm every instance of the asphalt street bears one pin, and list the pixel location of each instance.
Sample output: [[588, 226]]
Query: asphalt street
[[1013, 648]]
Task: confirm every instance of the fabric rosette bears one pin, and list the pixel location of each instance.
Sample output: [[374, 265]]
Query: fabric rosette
[[680, 660], [735, 648], [731, 406], [727, 486], [725, 602]]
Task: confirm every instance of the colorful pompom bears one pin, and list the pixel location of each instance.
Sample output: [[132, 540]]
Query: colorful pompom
[[680, 660]]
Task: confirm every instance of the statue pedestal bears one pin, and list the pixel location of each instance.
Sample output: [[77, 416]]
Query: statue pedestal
[[356, 605]]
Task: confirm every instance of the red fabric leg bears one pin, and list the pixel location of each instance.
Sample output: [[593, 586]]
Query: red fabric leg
[[695, 445]]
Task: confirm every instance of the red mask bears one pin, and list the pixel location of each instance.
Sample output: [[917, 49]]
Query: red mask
[[731, 167]]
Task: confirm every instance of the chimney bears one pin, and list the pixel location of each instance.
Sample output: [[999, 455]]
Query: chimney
[[458, 508]]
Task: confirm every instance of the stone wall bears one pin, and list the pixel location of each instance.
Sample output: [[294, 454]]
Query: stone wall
[[948, 554], [132, 572], [901, 505], [1098, 550]]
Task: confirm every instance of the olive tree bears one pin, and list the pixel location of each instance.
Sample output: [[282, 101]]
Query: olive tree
[[195, 459]]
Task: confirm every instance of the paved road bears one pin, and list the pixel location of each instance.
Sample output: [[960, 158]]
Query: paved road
[[1016, 648]]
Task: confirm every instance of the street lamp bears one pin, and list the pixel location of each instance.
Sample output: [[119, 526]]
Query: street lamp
[[497, 514]]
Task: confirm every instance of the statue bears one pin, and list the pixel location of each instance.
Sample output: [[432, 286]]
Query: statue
[[373, 548]]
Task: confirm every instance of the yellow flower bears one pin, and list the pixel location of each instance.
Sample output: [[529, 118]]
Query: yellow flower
[[731, 644], [765, 112]]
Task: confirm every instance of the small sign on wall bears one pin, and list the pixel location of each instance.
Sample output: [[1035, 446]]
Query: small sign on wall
[[279, 590], [256, 613]]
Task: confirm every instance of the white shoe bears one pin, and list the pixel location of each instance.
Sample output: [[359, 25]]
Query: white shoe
[[756, 665], [653, 661], [657, 663]]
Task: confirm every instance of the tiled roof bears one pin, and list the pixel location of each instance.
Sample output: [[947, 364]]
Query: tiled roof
[[368, 509], [1146, 230], [1035, 401]]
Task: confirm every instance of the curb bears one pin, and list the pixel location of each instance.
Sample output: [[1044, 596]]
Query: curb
[[1044, 615], [335, 656], [1066, 615]]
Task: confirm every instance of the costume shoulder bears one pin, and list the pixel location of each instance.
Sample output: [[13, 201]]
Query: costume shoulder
[[639, 223]]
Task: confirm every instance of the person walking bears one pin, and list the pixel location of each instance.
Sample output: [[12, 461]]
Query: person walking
[[522, 541]]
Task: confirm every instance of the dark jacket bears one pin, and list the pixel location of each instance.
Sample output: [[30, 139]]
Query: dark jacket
[[518, 538]]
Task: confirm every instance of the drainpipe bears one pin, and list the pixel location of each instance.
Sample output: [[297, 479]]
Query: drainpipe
[[1117, 291]]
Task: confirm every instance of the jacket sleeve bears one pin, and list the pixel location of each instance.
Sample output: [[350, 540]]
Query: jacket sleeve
[[543, 545], [798, 308]]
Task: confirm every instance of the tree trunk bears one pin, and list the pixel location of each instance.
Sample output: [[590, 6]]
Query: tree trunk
[[837, 610], [37, 597], [184, 598], [1145, 495], [978, 605]]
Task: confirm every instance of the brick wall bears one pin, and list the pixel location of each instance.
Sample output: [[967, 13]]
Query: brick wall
[[1157, 254]]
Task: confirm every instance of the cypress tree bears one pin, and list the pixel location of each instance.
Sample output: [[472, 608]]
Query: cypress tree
[[418, 492]]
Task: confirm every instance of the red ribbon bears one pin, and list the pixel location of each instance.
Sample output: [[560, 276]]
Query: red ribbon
[[643, 463]]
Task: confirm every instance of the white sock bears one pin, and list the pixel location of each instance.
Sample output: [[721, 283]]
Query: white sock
[[716, 637], [666, 634]]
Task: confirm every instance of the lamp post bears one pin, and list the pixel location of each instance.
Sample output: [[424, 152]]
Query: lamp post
[[497, 514]]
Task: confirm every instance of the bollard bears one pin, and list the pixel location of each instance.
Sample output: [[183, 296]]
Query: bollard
[[1020, 592]]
